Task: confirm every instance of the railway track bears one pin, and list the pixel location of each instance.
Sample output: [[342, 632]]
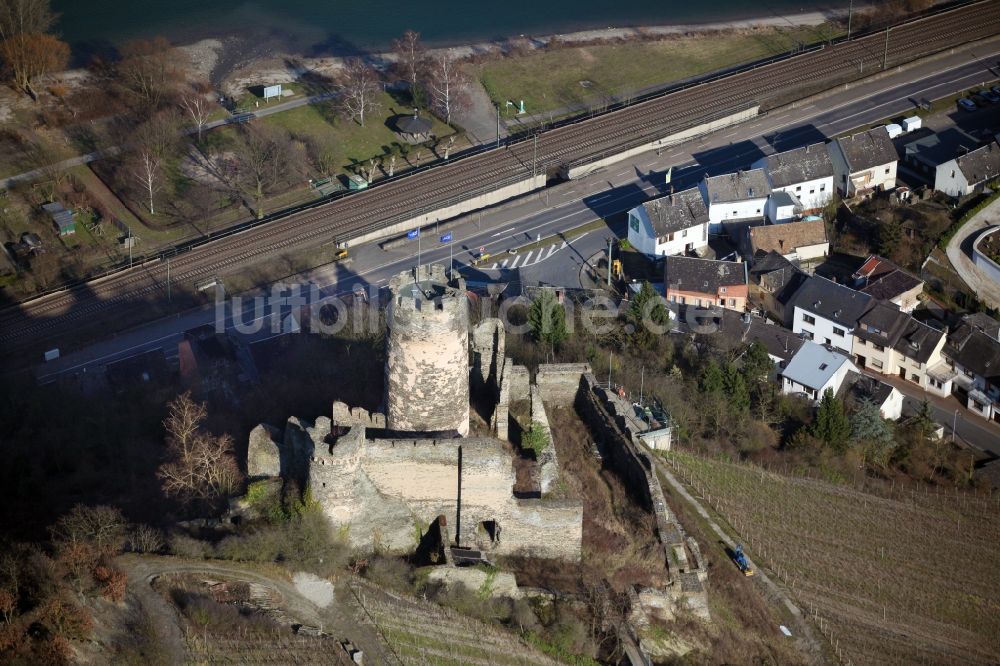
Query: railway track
[[768, 85]]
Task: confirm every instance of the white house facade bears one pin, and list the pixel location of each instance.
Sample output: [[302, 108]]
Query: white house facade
[[827, 313], [670, 225], [864, 161], [961, 176], [735, 197], [807, 173], [814, 369]]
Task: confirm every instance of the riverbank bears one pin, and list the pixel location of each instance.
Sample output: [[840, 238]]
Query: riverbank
[[234, 63]]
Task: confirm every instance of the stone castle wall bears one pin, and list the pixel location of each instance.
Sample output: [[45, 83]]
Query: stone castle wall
[[427, 360], [385, 493], [548, 465], [560, 382]]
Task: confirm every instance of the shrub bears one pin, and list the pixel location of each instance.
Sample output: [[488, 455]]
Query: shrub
[[113, 582], [535, 438]]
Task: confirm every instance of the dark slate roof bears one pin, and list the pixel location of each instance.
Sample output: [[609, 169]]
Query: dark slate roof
[[413, 124], [892, 285], [883, 325], [703, 276], [858, 387], [868, 149], [675, 212], [984, 323], [981, 164], [799, 165], [738, 186], [61, 216], [744, 329], [971, 348], [918, 341], [939, 147], [770, 262], [832, 301]]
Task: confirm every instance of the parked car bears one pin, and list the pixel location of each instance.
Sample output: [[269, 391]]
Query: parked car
[[977, 100], [967, 104], [989, 96], [995, 90]]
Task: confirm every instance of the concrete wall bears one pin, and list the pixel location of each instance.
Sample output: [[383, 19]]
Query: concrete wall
[[488, 339], [948, 178], [982, 262], [518, 188], [581, 170], [427, 359]]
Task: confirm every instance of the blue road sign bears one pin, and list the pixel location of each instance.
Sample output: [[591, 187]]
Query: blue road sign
[[446, 238], [413, 234]]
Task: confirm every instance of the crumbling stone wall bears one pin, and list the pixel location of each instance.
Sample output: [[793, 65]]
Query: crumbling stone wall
[[560, 382], [264, 452], [501, 412], [427, 360], [385, 493], [609, 417], [344, 415], [548, 465], [488, 340], [519, 381]]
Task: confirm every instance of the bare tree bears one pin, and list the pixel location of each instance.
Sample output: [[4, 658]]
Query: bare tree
[[448, 86], [449, 145], [197, 105], [359, 93], [409, 52], [153, 142], [151, 69], [100, 527], [202, 466], [263, 155], [24, 45]]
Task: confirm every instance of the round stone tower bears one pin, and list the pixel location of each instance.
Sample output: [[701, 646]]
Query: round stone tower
[[427, 359]]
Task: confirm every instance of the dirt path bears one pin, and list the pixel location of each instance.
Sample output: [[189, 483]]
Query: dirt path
[[804, 636], [338, 619]]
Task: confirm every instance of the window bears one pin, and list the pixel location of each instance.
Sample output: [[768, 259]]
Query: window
[[808, 335], [732, 302], [887, 171], [758, 211], [736, 213], [839, 332], [915, 379], [861, 342], [673, 298], [812, 191], [684, 233], [822, 188], [877, 364], [798, 188], [878, 347], [722, 290], [823, 366], [809, 319], [952, 173]]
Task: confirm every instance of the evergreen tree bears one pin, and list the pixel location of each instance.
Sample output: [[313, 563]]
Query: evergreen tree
[[547, 319], [646, 306], [873, 434], [736, 388], [712, 379], [831, 426], [757, 364]]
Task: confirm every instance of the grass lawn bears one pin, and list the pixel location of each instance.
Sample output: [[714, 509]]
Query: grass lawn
[[547, 81], [349, 142]]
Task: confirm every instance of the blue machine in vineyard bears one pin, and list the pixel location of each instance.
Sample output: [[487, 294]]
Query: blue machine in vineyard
[[741, 561]]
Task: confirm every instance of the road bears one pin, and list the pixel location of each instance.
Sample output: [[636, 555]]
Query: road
[[58, 318], [569, 205], [973, 430], [960, 254]]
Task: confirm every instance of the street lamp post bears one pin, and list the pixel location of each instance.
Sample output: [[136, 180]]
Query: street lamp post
[[954, 424]]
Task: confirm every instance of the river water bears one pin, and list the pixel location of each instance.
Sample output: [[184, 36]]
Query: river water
[[320, 27]]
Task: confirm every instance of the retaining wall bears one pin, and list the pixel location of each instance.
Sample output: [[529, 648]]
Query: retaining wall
[[581, 170], [981, 260]]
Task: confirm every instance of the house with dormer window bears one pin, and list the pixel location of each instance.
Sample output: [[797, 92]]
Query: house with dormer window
[[735, 201], [828, 313], [891, 342], [669, 225], [805, 173]]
